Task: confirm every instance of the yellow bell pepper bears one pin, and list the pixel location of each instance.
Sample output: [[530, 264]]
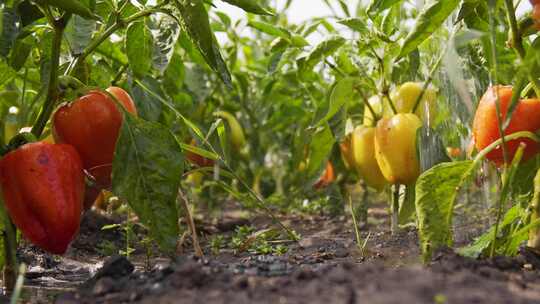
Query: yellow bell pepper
[[363, 157], [404, 99], [395, 148]]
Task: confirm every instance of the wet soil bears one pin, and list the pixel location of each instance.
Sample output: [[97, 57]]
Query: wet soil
[[325, 266]]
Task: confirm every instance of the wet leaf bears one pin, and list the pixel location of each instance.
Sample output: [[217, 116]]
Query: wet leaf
[[250, 6], [378, 6], [197, 25], [428, 22], [321, 51], [436, 191], [165, 32], [147, 169], [320, 147], [341, 94]]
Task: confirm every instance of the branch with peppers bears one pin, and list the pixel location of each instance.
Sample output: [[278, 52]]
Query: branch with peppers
[[46, 186]]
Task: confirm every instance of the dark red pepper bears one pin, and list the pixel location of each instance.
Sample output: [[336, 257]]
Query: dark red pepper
[[43, 189]]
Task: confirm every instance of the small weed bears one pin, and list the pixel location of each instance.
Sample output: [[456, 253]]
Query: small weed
[[216, 243]]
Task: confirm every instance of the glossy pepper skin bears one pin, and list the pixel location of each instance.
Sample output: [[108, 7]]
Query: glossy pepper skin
[[395, 148], [536, 15], [43, 188], [363, 157], [327, 177], [91, 124], [405, 97], [526, 117]]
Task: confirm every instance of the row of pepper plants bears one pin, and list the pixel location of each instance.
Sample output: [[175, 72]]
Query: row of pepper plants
[[266, 117]]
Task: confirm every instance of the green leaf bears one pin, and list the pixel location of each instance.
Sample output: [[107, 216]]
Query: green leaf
[[6, 72], [270, 29], [467, 7], [321, 51], [139, 46], [147, 170], [436, 190], [250, 6], [320, 147], [483, 242], [20, 52], [428, 22], [355, 24], [197, 25], [407, 207], [378, 6], [79, 33], [165, 34], [146, 95], [342, 93], [199, 151], [73, 6], [28, 12], [8, 30]]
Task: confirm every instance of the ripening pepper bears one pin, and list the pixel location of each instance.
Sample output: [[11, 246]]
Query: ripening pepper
[[327, 177], [536, 15], [363, 157], [526, 117], [92, 124], [43, 188], [404, 99], [395, 148]]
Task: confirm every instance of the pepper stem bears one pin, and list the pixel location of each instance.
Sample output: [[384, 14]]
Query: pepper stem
[[395, 210]]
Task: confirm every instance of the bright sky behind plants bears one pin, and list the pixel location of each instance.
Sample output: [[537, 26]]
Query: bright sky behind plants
[[301, 10]]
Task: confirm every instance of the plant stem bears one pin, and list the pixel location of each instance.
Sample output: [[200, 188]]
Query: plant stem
[[494, 61], [517, 42], [10, 249], [498, 219], [52, 90], [390, 101], [94, 44], [395, 210], [335, 68], [507, 178], [427, 83], [522, 134], [369, 107], [355, 223], [191, 224], [15, 297]]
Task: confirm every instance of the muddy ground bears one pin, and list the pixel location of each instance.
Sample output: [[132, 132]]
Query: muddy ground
[[326, 266]]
